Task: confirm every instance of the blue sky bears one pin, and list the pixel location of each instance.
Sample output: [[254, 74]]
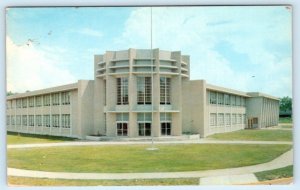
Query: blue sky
[[246, 48]]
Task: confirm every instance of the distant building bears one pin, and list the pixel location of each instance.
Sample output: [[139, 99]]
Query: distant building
[[139, 93]]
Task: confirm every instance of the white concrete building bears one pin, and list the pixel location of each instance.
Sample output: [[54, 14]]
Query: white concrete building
[[139, 93]]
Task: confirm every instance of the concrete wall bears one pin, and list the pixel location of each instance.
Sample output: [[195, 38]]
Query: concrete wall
[[265, 109], [194, 111], [86, 107], [235, 111], [79, 109]]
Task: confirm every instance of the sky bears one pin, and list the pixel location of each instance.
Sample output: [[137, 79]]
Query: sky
[[247, 48]]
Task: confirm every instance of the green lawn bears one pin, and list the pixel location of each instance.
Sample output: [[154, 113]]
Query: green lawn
[[62, 182], [135, 158], [275, 174], [285, 120], [256, 135], [22, 138], [286, 126]]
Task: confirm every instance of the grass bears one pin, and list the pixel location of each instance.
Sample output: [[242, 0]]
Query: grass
[[285, 120], [275, 174], [22, 138], [135, 158], [63, 182], [256, 135], [285, 126]]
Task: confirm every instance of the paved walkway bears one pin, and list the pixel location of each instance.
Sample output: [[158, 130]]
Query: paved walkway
[[284, 160], [89, 143], [229, 179]]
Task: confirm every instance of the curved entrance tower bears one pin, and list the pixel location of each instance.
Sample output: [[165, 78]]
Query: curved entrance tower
[[133, 84]]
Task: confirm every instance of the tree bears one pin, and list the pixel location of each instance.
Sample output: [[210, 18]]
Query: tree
[[9, 93], [285, 104]]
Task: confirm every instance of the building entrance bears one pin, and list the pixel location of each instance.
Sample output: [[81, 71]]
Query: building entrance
[[165, 128], [144, 129], [252, 123]]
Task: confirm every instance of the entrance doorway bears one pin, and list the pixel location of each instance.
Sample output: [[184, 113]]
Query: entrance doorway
[[253, 123], [144, 129], [165, 128]]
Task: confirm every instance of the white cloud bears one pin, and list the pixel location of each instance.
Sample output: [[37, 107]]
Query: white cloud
[[90, 32], [29, 68], [197, 30], [137, 31]]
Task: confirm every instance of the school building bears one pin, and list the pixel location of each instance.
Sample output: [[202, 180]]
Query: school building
[[139, 93]]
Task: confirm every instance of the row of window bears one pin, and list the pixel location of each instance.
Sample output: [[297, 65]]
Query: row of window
[[144, 123], [144, 128], [54, 120], [144, 90], [62, 98], [222, 119], [141, 117], [226, 99]]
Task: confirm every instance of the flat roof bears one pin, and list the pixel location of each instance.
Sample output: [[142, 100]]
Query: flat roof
[[61, 88], [259, 94], [227, 90]]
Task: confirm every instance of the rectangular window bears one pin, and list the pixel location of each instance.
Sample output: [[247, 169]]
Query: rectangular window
[[65, 120], [31, 101], [165, 117], [13, 104], [31, 120], [38, 120], [239, 119], [233, 100], [243, 103], [165, 128], [18, 120], [227, 119], [221, 119], [122, 129], [24, 120], [165, 89], [46, 120], [65, 98], [244, 118], [144, 129], [55, 120], [213, 98], [8, 104], [238, 101], [38, 101], [227, 99], [144, 123], [24, 102], [19, 103], [122, 124], [144, 90], [233, 119], [8, 120], [55, 99], [221, 98], [165, 123], [46, 100], [122, 91], [105, 90], [213, 119], [13, 120]]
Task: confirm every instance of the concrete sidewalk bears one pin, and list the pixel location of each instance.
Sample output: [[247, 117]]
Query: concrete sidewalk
[[99, 143], [229, 180], [284, 160]]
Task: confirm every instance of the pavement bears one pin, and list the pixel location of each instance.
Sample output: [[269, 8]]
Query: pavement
[[102, 143], [240, 175], [228, 179]]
